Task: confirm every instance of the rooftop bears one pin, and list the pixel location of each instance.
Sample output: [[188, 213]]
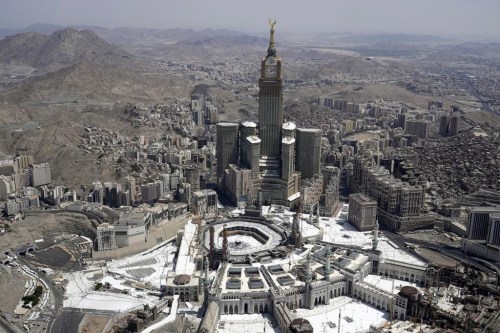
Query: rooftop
[[253, 139], [354, 316], [249, 124], [289, 126], [227, 124]]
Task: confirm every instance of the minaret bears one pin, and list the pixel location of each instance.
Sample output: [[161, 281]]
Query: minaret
[[296, 236], [307, 279], [271, 108], [224, 244], [327, 263], [308, 274], [317, 213], [375, 236], [212, 246], [205, 263]]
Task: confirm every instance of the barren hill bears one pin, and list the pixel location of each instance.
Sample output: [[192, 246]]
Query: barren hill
[[87, 82], [63, 48], [203, 46], [22, 48]]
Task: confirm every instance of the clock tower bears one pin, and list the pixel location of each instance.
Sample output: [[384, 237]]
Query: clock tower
[[270, 109]]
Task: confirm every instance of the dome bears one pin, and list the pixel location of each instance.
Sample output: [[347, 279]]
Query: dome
[[301, 325], [182, 279], [409, 292]]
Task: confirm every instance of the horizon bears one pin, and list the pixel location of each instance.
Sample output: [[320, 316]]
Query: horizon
[[260, 33], [463, 19]]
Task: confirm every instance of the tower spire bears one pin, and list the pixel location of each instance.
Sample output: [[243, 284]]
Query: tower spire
[[271, 51]]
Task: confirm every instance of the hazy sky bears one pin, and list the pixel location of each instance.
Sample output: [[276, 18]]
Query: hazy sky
[[445, 17]]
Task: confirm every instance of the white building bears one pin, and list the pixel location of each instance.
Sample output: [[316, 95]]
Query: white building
[[7, 186], [105, 237], [131, 228], [40, 174]]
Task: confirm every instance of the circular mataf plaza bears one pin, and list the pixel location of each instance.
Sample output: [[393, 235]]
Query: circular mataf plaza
[[244, 237]]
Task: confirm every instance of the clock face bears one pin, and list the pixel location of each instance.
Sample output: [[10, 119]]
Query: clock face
[[271, 72]]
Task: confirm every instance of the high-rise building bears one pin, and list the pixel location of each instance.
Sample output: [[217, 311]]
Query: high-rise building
[[308, 154], [400, 205], [227, 146], [238, 182], [434, 104], [271, 105], [97, 193], [443, 125], [23, 162], [106, 237], [483, 232], [348, 125], [250, 154], [149, 192], [454, 124], [130, 186], [449, 123], [204, 202], [267, 150], [493, 236], [287, 158], [192, 174], [248, 128], [114, 196], [40, 174], [289, 129], [21, 179], [478, 222], [418, 127], [7, 186]]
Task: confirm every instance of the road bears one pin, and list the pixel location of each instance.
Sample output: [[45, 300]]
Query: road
[[168, 319], [5, 327], [56, 294], [455, 254]]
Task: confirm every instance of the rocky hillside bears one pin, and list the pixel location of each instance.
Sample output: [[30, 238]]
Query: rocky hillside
[[63, 48], [88, 82], [203, 46]]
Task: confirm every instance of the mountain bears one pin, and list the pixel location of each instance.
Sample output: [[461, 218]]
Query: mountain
[[469, 50], [22, 48], [217, 45], [43, 28], [63, 48], [388, 49], [129, 35], [7, 32], [86, 82], [383, 38]]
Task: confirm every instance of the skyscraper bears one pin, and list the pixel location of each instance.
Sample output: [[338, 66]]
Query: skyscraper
[[449, 124], [418, 127], [308, 155], [40, 174], [227, 146], [258, 160], [271, 106], [454, 124], [483, 232], [478, 222], [287, 155]]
